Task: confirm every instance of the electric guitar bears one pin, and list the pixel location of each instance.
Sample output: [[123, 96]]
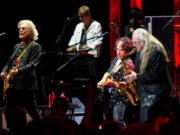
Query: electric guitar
[[7, 81]]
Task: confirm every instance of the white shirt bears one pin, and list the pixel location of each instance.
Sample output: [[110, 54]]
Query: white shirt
[[94, 30]]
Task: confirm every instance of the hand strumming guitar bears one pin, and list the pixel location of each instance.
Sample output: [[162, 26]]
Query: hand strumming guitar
[[14, 71]]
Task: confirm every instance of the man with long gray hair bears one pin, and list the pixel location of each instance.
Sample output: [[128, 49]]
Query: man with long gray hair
[[151, 73]]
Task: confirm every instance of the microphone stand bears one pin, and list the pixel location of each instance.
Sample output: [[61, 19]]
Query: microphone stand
[[91, 38], [64, 65], [58, 41], [66, 23], [163, 28], [73, 58]]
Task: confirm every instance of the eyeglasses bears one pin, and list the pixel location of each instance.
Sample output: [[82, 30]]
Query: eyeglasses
[[120, 49], [137, 42], [82, 16]]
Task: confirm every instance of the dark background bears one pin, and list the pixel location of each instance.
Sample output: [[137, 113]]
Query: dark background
[[50, 18]]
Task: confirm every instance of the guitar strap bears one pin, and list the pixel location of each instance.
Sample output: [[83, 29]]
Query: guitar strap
[[19, 57]]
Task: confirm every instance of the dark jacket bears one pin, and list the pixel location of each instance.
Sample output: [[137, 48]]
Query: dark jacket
[[26, 77], [154, 85]]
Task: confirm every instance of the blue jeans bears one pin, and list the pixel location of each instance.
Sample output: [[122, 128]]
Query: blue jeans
[[118, 113], [144, 113]]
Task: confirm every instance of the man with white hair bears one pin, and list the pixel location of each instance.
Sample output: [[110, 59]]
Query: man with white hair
[[19, 73], [151, 73]]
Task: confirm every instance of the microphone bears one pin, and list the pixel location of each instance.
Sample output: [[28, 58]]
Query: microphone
[[2, 34], [70, 18], [105, 33]]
